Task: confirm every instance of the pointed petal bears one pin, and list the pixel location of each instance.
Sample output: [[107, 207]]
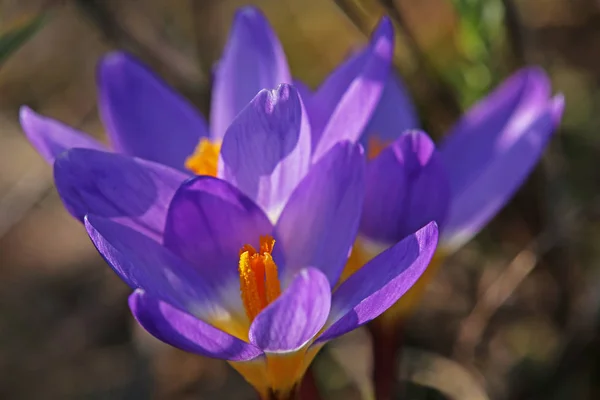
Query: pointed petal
[[143, 116], [343, 105], [253, 60], [498, 119], [320, 221], [296, 316], [395, 112], [406, 189], [208, 223], [483, 137], [266, 151], [51, 138], [497, 180], [132, 191], [380, 283], [186, 332]]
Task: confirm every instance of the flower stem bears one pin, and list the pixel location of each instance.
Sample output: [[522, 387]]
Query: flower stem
[[387, 342], [308, 387]]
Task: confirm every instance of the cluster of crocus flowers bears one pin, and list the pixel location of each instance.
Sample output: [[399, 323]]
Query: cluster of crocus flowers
[[234, 238], [259, 238]]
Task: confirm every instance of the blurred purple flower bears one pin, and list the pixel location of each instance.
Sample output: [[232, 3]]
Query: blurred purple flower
[[302, 218]]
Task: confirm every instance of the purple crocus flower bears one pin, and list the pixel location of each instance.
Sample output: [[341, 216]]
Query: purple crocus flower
[[463, 182], [243, 268], [147, 119]]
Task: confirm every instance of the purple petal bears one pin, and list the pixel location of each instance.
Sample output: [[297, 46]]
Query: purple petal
[[51, 137], [510, 160], [320, 221], [143, 263], [395, 112], [296, 316], [406, 189], [132, 191], [306, 94], [343, 105], [266, 151], [253, 60], [380, 283], [144, 117], [304, 91], [499, 118], [186, 332], [208, 223]]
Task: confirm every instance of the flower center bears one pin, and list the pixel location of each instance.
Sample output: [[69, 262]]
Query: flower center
[[205, 158], [259, 283], [375, 145]]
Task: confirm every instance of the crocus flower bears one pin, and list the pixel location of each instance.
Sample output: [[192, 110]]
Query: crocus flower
[[463, 182], [145, 118], [244, 267]]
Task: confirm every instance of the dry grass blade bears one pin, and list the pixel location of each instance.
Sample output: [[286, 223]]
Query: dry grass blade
[[432, 370]]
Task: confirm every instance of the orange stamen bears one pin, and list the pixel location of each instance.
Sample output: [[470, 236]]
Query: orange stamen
[[250, 295], [375, 146], [259, 281], [205, 159], [273, 287]]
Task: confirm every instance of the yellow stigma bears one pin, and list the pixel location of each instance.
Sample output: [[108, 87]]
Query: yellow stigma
[[375, 146], [259, 282], [205, 158]]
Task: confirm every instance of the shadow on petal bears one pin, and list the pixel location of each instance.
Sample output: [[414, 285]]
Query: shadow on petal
[[132, 191]]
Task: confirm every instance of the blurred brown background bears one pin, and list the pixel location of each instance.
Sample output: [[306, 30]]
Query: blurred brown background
[[513, 315]]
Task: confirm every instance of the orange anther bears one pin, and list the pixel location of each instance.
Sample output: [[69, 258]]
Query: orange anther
[[259, 281], [205, 159]]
